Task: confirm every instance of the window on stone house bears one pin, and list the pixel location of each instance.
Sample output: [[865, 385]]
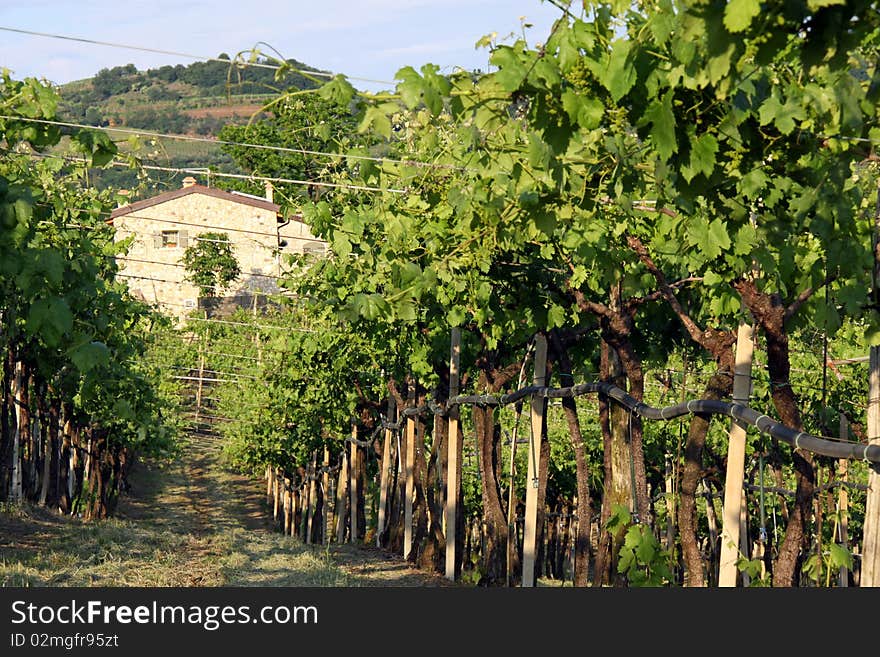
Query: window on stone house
[[170, 239]]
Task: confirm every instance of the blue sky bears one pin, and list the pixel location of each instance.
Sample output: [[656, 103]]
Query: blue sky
[[364, 39]]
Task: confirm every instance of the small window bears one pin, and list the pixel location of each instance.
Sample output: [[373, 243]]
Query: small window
[[170, 239], [189, 303]]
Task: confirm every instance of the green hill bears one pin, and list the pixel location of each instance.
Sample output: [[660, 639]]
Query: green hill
[[196, 100]]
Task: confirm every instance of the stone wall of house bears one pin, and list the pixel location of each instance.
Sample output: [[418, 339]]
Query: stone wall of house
[[162, 232]]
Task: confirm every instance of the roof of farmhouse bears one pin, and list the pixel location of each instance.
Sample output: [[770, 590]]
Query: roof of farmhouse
[[192, 188]]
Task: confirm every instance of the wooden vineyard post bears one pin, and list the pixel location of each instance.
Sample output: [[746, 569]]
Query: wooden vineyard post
[[385, 475], [313, 497], [298, 499], [669, 489], [530, 531], [269, 483], [276, 495], [304, 505], [47, 457], [453, 473], [201, 380], [353, 470], [736, 454], [18, 385], [744, 547], [298, 504], [870, 570], [340, 499], [325, 491], [409, 469], [286, 506], [843, 502], [511, 502], [297, 521]]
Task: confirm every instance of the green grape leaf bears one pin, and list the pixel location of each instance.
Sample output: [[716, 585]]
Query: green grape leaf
[[338, 90], [50, 318], [717, 237], [752, 183], [620, 75], [511, 70], [840, 556], [405, 310], [96, 145], [738, 14], [555, 316], [702, 157], [659, 115], [375, 120], [456, 316], [90, 355], [411, 87], [782, 116]]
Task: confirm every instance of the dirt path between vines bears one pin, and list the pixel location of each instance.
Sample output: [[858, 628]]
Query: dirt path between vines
[[193, 523]]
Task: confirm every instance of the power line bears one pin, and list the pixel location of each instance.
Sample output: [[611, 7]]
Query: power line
[[254, 291], [210, 417], [221, 353], [209, 228], [208, 370], [236, 62], [177, 264], [196, 239], [181, 282], [218, 174], [259, 326], [203, 379], [217, 372], [217, 228], [207, 140], [289, 181]]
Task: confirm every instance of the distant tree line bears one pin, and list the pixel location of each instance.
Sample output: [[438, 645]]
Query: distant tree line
[[214, 77], [107, 99]]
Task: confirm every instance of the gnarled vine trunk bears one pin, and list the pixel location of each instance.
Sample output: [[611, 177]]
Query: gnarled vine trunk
[[769, 311], [488, 436], [583, 511]]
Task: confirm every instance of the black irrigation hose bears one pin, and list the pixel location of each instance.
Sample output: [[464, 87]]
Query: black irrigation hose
[[369, 441], [764, 424]]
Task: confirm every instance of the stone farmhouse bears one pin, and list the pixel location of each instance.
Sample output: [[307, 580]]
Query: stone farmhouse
[[164, 225]]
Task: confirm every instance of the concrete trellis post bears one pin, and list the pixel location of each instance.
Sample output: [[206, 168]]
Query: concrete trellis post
[[340, 499], [530, 531], [325, 491], [453, 475], [410, 485], [313, 497], [736, 453], [870, 571], [353, 471], [843, 502], [385, 475]]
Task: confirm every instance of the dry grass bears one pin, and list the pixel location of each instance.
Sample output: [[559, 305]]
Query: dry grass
[[192, 523]]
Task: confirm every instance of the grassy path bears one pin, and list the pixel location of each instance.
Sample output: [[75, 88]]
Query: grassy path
[[192, 524]]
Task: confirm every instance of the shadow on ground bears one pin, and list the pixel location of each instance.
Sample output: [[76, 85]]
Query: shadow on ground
[[189, 523]]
